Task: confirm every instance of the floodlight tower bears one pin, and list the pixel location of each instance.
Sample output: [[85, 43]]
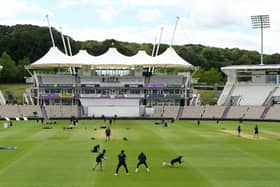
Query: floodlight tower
[[260, 22]]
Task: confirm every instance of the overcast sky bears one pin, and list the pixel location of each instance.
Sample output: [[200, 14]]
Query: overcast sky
[[219, 23]]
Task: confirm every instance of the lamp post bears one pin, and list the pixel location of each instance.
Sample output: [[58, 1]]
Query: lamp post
[[260, 22]]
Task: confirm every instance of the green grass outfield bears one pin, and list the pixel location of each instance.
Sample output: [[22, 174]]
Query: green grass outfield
[[212, 155]]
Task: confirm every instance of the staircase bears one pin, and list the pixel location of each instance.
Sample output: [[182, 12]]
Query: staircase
[[79, 111], [44, 112], [2, 98], [265, 111], [195, 100], [180, 112], [226, 95], [27, 97], [30, 100], [269, 98], [225, 113]]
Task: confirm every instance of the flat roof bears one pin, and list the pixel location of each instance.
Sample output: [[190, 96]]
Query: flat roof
[[251, 67]]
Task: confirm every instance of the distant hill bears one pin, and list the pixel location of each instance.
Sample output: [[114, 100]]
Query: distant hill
[[31, 42]]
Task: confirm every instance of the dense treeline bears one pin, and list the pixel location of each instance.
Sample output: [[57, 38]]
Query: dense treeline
[[23, 44]]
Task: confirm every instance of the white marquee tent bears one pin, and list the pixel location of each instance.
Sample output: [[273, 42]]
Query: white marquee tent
[[112, 58]]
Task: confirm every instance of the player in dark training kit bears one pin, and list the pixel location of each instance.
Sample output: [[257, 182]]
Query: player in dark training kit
[[239, 130], [142, 160], [108, 133], [173, 161], [256, 132], [99, 159], [122, 162], [95, 149]]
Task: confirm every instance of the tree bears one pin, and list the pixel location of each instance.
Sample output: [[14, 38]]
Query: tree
[[21, 72], [9, 71], [210, 77], [214, 57], [244, 59], [213, 76], [31, 41], [271, 59]]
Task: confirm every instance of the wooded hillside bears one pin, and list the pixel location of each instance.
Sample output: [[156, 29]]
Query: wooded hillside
[[24, 44]]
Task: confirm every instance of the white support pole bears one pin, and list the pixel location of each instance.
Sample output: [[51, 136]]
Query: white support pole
[[50, 29], [154, 47], [261, 45], [161, 30], [26, 67], [69, 46], [159, 40], [174, 31], [153, 53], [72, 69], [63, 41]]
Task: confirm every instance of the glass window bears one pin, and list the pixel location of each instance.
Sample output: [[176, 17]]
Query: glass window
[[244, 76], [271, 79], [155, 91]]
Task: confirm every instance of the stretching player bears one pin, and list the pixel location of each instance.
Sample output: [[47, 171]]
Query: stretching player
[[173, 161], [99, 158]]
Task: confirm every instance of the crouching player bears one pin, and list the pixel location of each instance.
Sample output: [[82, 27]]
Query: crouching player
[[173, 161], [142, 160]]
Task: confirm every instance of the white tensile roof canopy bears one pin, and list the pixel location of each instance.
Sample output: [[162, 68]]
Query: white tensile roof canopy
[[140, 59], [53, 58], [170, 59], [82, 58], [112, 58]]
